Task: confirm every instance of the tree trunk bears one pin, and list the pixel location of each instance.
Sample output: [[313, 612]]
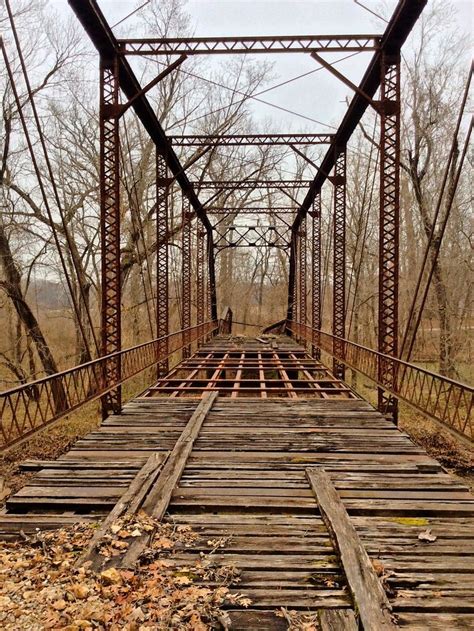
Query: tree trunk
[[12, 287], [446, 364]]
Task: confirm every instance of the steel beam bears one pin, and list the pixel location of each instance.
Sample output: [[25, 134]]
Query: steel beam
[[249, 44], [302, 273], [339, 260], [316, 274], [251, 184], [238, 140], [389, 229], [250, 211], [200, 280], [162, 269], [186, 285], [110, 230]]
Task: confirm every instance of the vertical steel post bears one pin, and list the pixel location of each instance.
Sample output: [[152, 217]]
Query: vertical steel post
[[211, 271], [290, 311], [110, 229], [208, 312], [339, 269], [186, 295], [302, 272], [389, 228], [200, 280], [296, 284], [162, 252], [316, 274]]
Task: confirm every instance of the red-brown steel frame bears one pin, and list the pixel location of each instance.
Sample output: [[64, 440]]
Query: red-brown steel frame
[[339, 258], [389, 229], [110, 226], [162, 267], [316, 271]]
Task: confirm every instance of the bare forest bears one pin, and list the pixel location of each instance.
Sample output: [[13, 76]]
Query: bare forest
[[49, 253]]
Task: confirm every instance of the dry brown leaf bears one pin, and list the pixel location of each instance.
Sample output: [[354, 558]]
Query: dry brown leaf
[[111, 577], [60, 604]]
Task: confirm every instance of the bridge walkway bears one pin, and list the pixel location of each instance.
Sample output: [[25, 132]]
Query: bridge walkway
[[245, 482]]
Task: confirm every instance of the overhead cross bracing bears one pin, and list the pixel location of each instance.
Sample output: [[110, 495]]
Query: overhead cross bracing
[[227, 45], [257, 140]]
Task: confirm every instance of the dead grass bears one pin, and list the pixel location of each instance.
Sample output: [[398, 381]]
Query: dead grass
[[438, 443]]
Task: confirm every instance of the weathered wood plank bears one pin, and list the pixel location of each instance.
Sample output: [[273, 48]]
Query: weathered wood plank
[[159, 496], [337, 620], [128, 503], [369, 595]]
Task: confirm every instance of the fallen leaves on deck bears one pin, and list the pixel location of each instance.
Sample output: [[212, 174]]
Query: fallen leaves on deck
[[40, 587]]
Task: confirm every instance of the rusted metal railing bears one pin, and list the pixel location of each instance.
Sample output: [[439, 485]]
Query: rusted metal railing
[[444, 400], [26, 409]]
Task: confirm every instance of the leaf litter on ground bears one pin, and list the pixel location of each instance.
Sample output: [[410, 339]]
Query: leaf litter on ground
[[41, 586]]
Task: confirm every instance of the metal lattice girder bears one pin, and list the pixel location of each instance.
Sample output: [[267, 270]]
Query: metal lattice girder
[[200, 278], [389, 228], [110, 228], [251, 236], [250, 140], [162, 253], [295, 285], [302, 273], [251, 184], [258, 44], [339, 268], [186, 286], [209, 254], [316, 273], [250, 211]]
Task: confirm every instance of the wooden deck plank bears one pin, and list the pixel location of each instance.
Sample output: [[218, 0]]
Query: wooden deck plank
[[244, 481]]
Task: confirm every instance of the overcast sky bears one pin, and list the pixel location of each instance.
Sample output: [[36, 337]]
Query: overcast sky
[[320, 97]]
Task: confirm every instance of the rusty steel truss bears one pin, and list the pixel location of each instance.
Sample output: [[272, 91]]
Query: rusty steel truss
[[339, 257], [316, 273], [199, 240], [110, 226], [243, 45], [232, 185], [162, 266], [256, 140], [383, 72]]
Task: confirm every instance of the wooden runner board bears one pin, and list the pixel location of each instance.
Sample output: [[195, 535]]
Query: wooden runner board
[[159, 496], [129, 503], [367, 590]]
